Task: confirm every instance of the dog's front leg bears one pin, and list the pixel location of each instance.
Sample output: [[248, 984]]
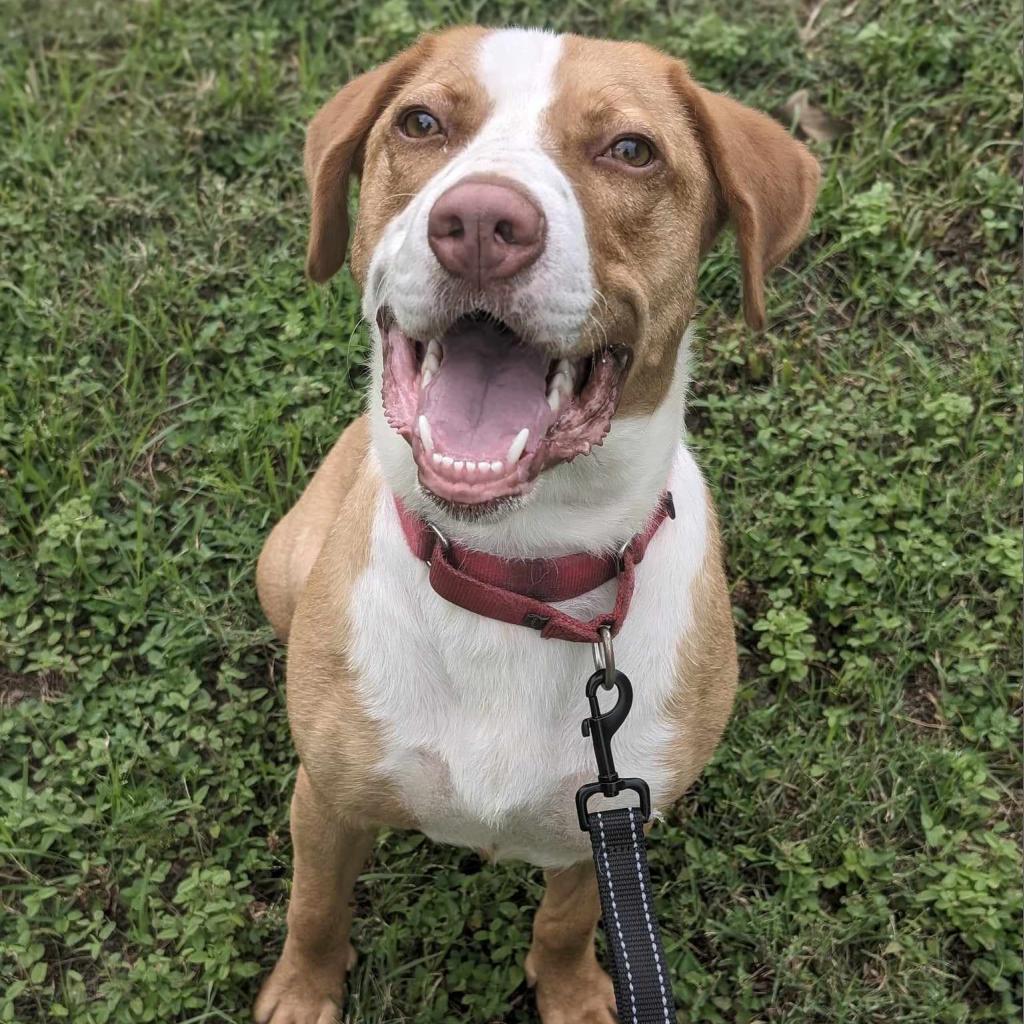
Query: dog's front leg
[[571, 987], [307, 983]]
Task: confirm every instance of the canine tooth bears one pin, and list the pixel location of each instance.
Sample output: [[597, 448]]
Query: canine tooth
[[554, 399], [428, 441], [515, 449], [437, 458], [432, 357], [497, 467], [425, 377], [448, 461], [561, 382], [457, 466], [564, 366]]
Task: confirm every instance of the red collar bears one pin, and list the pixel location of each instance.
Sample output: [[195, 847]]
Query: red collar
[[517, 590]]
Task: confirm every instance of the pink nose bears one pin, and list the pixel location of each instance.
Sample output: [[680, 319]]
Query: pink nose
[[485, 231]]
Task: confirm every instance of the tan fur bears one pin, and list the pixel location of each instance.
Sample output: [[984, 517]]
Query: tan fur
[[647, 233], [644, 229], [647, 230], [337, 742], [561, 965], [306, 572], [328, 854], [354, 132], [707, 669], [293, 545], [767, 184]]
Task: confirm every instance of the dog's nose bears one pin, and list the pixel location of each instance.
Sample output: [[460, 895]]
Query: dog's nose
[[485, 231]]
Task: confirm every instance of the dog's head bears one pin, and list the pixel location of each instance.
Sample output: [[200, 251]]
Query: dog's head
[[533, 209]]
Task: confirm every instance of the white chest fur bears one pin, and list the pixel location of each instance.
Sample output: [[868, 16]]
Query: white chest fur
[[481, 720]]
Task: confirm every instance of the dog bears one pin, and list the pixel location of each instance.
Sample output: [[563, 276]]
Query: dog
[[533, 210]]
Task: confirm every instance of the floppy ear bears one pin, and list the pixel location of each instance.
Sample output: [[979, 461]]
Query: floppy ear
[[334, 150], [767, 185]]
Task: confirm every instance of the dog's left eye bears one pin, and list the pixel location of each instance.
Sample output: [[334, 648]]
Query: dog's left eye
[[632, 150], [418, 124]]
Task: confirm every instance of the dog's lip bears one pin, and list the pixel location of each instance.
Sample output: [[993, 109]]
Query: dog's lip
[[574, 429]]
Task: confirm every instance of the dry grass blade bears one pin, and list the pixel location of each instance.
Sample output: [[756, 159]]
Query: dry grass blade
[[810, 121]]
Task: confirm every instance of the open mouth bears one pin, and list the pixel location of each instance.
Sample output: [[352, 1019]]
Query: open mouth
[[487, 412]]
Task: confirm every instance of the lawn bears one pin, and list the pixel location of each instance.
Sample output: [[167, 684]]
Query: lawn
[[169, 380]]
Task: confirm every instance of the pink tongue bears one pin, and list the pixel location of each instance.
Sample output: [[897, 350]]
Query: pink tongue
[[489, 387]]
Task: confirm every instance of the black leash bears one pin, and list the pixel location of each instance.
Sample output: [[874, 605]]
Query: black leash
[[643, 989]]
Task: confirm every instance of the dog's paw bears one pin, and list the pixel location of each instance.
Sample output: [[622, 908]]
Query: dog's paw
[[582, 995], [295, 994]]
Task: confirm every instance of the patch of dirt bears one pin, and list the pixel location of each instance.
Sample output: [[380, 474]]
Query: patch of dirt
[[16, 686], [921, 704]]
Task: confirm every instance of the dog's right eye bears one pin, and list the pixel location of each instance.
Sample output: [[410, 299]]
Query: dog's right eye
[[419, 124]]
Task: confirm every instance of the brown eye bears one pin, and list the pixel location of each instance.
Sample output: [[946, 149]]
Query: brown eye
[[632, 150], [419, 124]]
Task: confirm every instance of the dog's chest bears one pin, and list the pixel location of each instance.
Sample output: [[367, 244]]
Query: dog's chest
[[481, 720]]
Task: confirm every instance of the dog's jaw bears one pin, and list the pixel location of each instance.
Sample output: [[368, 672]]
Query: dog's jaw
[[592, 503], [486, 413]]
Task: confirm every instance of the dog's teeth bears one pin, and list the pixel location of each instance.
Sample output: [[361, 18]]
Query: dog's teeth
[[497, 467], [515, 449], [431, 363], [457, 466], [448, 461], [428, 441], [564, 366], [484, 467], [437, 458], [561, 385], [470, 466]]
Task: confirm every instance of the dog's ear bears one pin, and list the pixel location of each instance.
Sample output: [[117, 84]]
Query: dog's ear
[[767, 183], [334, 150]]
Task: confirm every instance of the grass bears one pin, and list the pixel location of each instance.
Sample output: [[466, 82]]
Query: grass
[[169, 380]]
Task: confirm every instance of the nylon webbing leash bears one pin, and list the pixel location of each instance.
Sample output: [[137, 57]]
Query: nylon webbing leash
[[643, 990]]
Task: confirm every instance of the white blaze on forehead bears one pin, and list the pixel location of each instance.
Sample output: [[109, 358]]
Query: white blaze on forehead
[[517, 69]]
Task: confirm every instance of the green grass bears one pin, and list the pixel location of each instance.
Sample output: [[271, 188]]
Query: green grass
[[168, 382]]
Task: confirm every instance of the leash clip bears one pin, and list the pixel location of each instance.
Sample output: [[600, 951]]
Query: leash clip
[[600, 727]]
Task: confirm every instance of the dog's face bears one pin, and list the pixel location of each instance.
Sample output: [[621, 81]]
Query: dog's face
[[533, 209]]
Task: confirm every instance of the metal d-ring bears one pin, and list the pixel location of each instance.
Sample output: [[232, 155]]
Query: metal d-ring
[[445, 544], [620, 555], [604, 656]]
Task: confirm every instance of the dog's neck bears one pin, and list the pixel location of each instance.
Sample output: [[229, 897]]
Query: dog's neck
[[595, 503]]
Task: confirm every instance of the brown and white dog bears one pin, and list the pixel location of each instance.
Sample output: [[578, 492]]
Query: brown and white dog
[[533, 211]]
